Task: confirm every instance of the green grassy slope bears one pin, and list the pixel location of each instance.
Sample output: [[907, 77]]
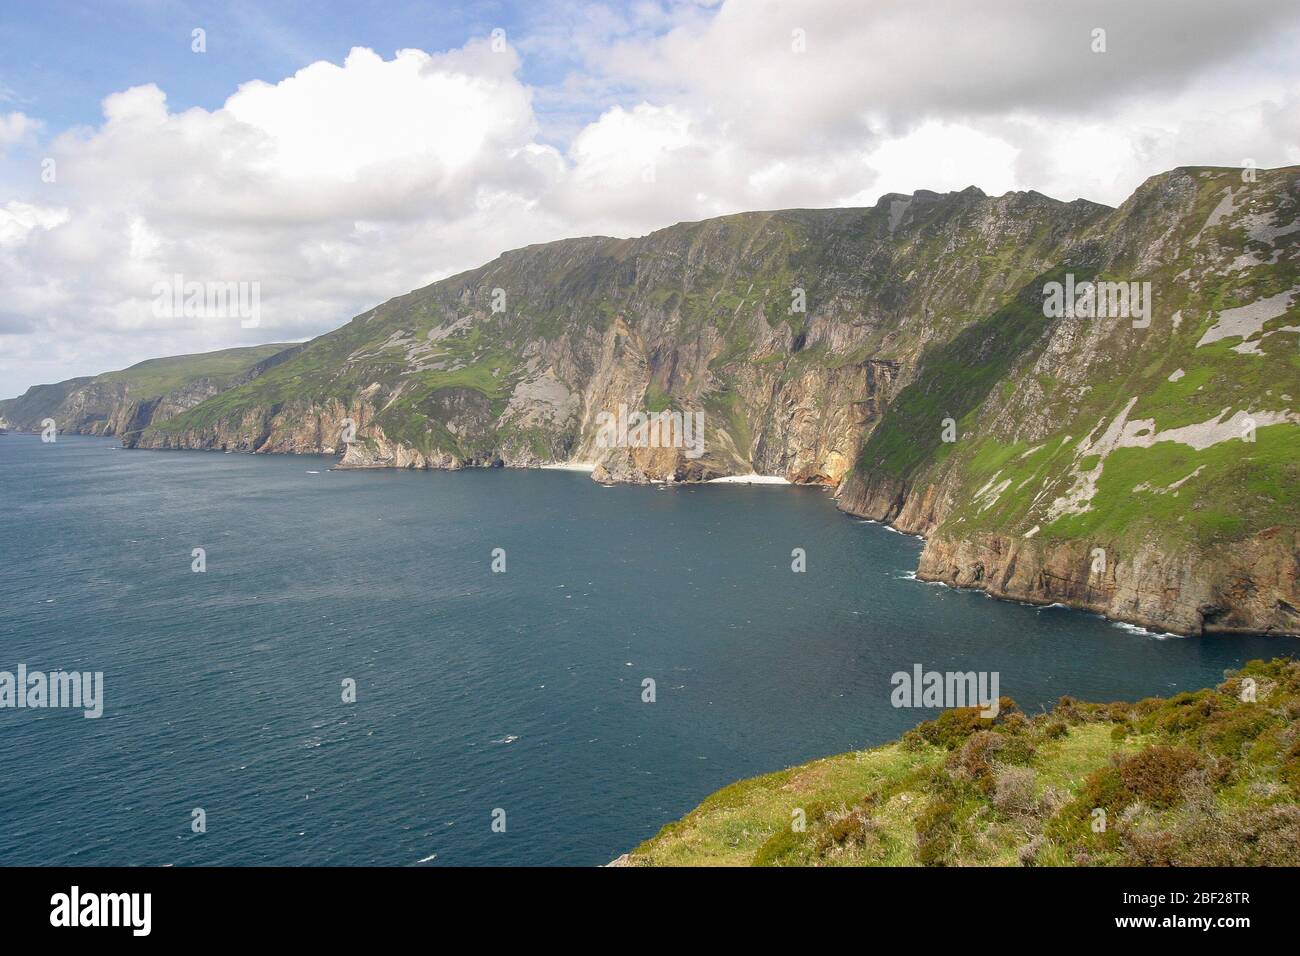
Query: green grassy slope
[[1196, 779], [692, 286], [1030, 394], [39, 401], [142, 382], [155, 377]]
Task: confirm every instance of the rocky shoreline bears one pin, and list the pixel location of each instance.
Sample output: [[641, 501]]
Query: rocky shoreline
[[1242, 591], [1162, 593], [901, 356]]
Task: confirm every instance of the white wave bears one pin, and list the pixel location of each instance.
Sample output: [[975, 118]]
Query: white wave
[[1135, 629], [890, 527]]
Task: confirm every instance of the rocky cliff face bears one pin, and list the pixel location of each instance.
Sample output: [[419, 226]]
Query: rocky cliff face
[[1141, 467], [905, 355], [788, 332], [125, 403], [1249, 588]]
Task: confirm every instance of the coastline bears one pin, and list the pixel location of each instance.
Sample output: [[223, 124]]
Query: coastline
[[1145, 623], [931, 796], [749, 480]]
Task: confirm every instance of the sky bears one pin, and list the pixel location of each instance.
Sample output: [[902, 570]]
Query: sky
[[329, 156]]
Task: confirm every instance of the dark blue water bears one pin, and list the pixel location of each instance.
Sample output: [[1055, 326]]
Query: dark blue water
[[476, 691]]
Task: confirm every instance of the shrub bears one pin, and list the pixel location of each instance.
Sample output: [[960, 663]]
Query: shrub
[[938, 827], [936, 832], [1152, 777], [953, 726], [914, 740], [1055, 729], [1229, 733], [1290, 769], [1014, 791], [973, 761], [850, 829], [1145, 708], [1184, 713], [1267, 836], [1155, 775], [1283, 673], [788, 844], [1119, 712], [1017, 750], [1028, 854], [1067, 708], [1013, 723]]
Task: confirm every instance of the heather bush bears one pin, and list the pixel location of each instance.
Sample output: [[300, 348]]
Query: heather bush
[[1014, 791], [1155, 775]]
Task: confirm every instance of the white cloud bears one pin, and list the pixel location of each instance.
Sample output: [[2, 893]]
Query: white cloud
[[18, 219], [941, 157], [346, 184], [16, 128], [334, 189]]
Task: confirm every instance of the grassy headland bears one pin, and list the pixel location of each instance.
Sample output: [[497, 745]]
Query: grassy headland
[[1203, 778]]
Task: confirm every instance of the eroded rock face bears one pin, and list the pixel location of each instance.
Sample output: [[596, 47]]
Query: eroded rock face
[[1251, 589], [900, 355], [1138, 447], [788, 332], [125, 403]]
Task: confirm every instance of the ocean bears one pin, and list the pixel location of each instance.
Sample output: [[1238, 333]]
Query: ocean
[[499, 717]]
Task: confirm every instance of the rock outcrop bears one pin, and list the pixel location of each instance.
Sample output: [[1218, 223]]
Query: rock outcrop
[[125, 403], [1250, 589]]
